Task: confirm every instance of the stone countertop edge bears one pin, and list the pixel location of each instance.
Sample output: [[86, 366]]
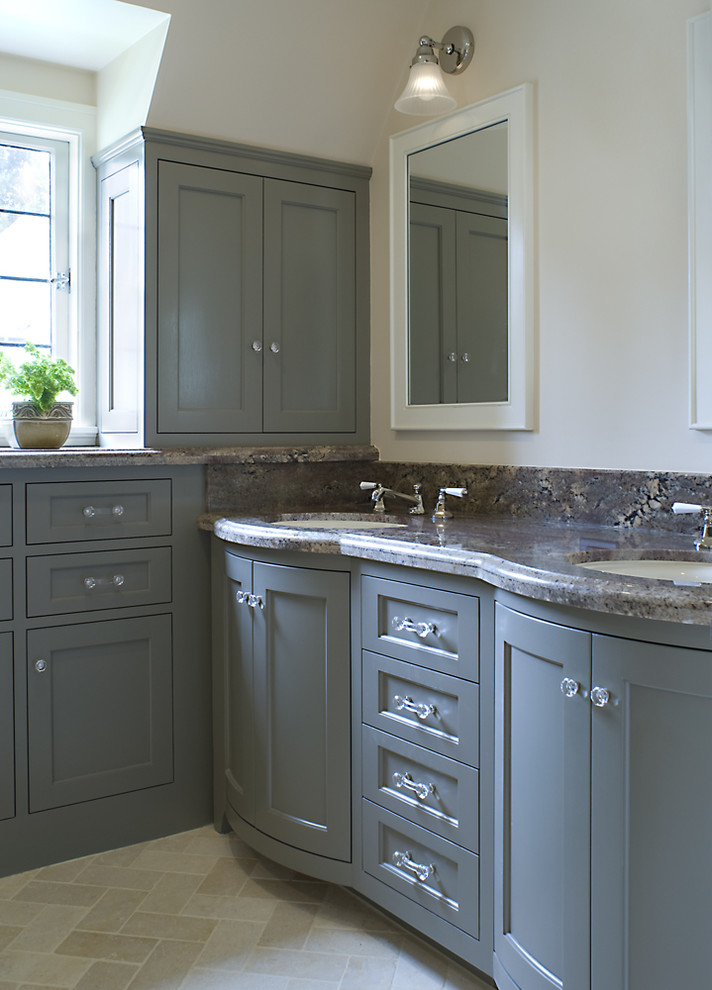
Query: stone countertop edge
[[527, 558], [113, 457]]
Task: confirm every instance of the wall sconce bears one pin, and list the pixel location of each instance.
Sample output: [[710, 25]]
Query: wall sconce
[[426, 92]]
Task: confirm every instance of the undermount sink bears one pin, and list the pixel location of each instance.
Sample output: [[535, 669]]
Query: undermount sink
[[336, 521], [679, 571]]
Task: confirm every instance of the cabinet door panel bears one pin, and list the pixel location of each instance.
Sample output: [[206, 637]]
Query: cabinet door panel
[[209, 300], [541, 803], [302, 691], [310, 317], [651, 817], [7, 729], [238, 689], [100, 709]]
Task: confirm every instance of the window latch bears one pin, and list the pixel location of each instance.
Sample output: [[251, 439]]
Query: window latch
[[62, 280]]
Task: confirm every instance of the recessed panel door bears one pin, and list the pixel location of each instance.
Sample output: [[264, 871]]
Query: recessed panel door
[[100, 706], [302, 697], [7, 729]]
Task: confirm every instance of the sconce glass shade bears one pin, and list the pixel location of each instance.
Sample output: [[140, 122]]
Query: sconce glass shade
[[425, 92]]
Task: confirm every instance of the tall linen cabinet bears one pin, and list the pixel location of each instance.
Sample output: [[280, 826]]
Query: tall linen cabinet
[[233, 301]]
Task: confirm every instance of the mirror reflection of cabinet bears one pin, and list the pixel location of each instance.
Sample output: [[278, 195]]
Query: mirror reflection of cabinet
[[487, 150], [457, 296]]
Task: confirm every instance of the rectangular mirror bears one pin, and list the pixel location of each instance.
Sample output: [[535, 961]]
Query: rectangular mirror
[[461, 293]]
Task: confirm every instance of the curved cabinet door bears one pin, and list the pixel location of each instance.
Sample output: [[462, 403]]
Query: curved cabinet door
[[542, 795], [651, 876], [302, 700]]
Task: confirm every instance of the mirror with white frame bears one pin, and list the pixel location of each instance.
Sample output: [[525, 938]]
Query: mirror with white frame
[[461, 262]]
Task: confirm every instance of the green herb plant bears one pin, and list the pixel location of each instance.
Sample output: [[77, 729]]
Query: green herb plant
[[39, 380]]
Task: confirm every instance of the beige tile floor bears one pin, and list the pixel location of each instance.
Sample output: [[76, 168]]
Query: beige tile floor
[[201, 911]]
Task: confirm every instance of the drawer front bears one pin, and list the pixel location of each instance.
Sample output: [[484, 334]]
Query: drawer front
[[98, 510], [438, 629], [435, 873], [84, 582], [428, 789], [423, 706], [5, 589], [5, 515]]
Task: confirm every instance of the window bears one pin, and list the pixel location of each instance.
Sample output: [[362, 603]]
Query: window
[[35, 275]]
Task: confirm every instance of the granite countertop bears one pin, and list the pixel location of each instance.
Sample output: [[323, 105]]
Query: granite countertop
[[526, 557]]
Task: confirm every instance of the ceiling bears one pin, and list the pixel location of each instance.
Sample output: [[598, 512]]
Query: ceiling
[[85, 34]]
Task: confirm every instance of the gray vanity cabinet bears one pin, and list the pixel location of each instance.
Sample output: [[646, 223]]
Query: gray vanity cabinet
[[254, 269], [282, 704], [603, 810], [7, 728]]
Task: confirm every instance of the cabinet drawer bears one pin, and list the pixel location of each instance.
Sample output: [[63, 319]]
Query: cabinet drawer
[[5, 515], [5, 589], [438, 629], [81, 582], [98, 510], [428, 789], [423, 706], [393, 849]]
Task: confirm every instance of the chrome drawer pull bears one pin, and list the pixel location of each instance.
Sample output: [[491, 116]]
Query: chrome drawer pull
[[114, 582], [247, 598], [89, 511], [417, 708], [410, 625], [403, 859], [419, 788]]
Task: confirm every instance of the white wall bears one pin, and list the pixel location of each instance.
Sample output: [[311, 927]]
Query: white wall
[[611, 232]]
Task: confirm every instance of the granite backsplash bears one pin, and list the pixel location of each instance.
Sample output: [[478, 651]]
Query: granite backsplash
[[569, 495]]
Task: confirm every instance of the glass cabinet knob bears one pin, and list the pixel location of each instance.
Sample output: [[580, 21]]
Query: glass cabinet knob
[[257, 345], [274, 347], [570, 687], [600, 697]]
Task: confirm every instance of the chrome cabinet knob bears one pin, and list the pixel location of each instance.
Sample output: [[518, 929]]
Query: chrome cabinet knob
[[40, 666], [274, 347]]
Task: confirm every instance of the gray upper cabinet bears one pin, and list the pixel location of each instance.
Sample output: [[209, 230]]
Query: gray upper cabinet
[[252, 275], [209, 300]]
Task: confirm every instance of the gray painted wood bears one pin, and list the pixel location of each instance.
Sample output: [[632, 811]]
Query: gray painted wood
[[450, 717], [302, 692], [94, 510], [86, 582], [309, 309], [209, 300], [450, 891], [451, 808], [651, 876], [100, 712], [542, 804], [7, 728], [235, 688], [482, 309], [120, 302], [5, 515], [451, 646]]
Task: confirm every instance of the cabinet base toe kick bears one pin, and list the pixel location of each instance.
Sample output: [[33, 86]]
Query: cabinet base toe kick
[[331, 870]]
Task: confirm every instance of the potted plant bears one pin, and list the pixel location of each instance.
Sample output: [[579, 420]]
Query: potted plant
[[39, 421]]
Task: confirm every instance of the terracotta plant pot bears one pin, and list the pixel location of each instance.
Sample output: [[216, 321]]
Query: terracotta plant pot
[[41, 431]]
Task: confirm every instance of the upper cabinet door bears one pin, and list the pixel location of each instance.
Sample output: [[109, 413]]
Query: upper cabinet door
[[209, 300], [309, 309]]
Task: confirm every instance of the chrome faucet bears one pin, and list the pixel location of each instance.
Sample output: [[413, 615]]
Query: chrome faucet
[[379, 491], [705, 541], [441, 512]]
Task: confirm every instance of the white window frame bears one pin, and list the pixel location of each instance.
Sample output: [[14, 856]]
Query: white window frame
[[76, 124]]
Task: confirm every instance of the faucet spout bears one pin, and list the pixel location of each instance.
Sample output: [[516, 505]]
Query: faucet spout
[[379, 492]]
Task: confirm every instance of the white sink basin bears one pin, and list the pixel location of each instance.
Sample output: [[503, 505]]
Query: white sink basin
[[679, 571], [338, 522]]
